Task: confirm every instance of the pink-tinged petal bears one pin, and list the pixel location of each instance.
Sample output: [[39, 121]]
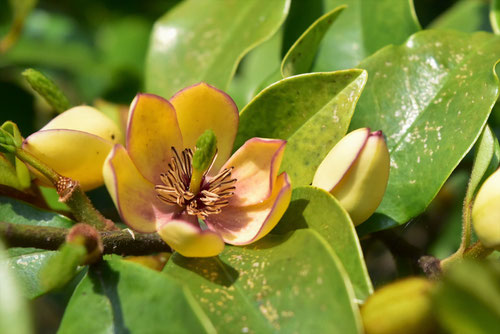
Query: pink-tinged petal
[[256, 165], [152, 130], [244, 225], [133, 195], [202, 107], [187, 238], [75, 154]]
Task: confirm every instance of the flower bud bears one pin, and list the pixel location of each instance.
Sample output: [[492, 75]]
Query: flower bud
[[486, 212], [401, 307], [75, 144], [356, 171]]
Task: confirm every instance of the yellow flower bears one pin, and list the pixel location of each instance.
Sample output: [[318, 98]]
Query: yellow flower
[[486, 212], [239, 199]]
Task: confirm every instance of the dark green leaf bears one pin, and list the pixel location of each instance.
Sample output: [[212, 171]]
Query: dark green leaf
[[363, 28], [419, 94], [17, 212], [204, 41], [289, 283], [311, 111], [300, 57], [315, 208], [119, 296]]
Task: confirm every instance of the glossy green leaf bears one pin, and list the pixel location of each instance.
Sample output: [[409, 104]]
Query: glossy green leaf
[[468, 299], [17, 212], [363, 28], [14, 313], [290, 283], [300, 17], [311, 111], [300, 57], [420, 94], [495, 16], [204, 41], [119, 296], [316, 209], [26, 265], [465, 15]]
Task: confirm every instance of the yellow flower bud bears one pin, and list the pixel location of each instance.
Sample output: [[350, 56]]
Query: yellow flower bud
[[486, 212], [75, 144], [356, 171], [401, 307]]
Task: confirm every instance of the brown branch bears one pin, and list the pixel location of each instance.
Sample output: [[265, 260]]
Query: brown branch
[[122, 242]]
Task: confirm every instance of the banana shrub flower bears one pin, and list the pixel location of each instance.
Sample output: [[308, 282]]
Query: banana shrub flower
[[154, 186]]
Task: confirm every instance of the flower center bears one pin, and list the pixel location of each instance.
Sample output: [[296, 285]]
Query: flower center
[[213, 194]]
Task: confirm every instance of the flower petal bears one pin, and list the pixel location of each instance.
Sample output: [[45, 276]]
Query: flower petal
[[256, 165], [202, 107], [75, 154], [189, 240], [244, 225], [87, 119], [152, 130], [134, 196]]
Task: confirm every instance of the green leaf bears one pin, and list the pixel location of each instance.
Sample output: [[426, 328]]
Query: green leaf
[[259, 63], [419, 94], [495, 16], [290, 283], [62, 267], [468, 299], [17, 212], [27, 267], [204, 41], [363, 28], [300, 57], [123, 297], [14, 313], [8, 173], [316, 209], [311, 111], [465, 15]]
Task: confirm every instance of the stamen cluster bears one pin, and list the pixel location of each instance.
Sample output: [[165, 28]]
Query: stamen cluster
[[214, 193]]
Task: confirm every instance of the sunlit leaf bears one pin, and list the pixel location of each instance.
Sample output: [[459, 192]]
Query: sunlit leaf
[[205, 40], [311, 111], [316, 209], [420, 94], [281, 284]]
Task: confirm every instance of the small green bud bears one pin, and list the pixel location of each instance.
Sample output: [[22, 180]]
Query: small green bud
[[486, 212], [7, 142], [62, 267], [400, 307], [47, 89], [206, 148]]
